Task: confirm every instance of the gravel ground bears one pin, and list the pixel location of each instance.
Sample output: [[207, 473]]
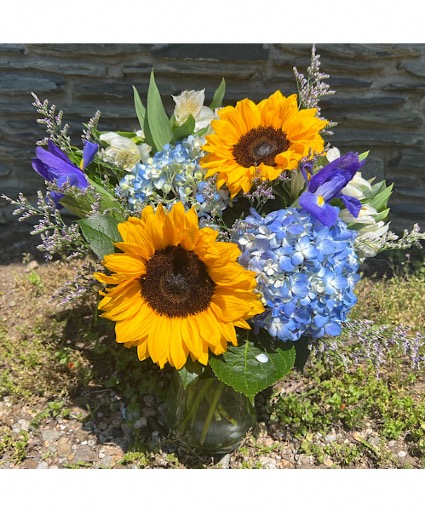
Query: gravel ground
[[104, 441], [93, 427]]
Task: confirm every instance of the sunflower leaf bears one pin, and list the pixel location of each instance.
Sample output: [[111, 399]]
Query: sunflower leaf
[[254, 365], [218, 95], [158, 122], [101, 232]]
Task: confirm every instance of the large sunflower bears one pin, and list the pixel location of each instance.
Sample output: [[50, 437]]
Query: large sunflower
[[260, 140], [176, 291]]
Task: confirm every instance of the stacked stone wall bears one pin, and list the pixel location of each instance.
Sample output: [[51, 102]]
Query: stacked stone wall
[[379, 102]]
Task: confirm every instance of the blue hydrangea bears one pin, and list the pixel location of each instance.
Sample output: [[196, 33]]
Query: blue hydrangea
[[172, 175], [306, 272]]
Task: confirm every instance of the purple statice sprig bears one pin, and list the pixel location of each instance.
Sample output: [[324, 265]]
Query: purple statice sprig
[[363, 341], [261, 191], [57, 237], [83, 287], [89, 133], [313, 88], [52, 120]]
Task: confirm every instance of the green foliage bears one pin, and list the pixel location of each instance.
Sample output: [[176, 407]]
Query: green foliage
[[397, 300], [35, 280], [80, 202], [14, 445], [140, 108], [101, 232], [184, 130], [137, 458], [218, 95], [254, 365], [156, 126], [349, 400]]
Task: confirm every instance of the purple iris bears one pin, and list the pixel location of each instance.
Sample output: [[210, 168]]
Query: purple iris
[[327, 184], [55, 165]]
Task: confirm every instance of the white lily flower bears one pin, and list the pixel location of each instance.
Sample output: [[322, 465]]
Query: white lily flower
[[123, 152], [192, 102]]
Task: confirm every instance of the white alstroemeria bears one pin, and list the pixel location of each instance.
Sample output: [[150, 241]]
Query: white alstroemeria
[[123, 152], [192, 102], [371, 234], [357, 186], [366, 215], [332, 154], [371, 239]]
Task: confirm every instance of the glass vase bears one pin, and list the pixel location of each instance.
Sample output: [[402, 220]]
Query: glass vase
[[207, 415]]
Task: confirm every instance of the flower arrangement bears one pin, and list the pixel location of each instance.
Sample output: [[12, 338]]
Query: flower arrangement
[[221, 236]]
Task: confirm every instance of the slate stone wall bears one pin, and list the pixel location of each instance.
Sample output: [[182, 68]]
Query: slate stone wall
[[379, 103]]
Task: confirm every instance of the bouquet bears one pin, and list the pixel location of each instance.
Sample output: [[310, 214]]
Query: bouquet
[[222, 237]]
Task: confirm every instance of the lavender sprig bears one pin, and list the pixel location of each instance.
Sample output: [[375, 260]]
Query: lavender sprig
[[312, 88]]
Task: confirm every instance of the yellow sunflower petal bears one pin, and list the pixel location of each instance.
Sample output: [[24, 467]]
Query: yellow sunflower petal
[[231, 148], [175, 291]]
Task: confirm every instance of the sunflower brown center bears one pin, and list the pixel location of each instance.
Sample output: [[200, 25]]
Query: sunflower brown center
[[176, 283], [260, 145]]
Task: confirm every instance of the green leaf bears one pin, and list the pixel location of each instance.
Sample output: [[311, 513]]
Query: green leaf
[[190, 372], [185, 129], [380, 201], [77, 206], [158, 122], [140, 108], [148, 135], [127, 134], [218, 95], [101, 232], [253, 366], [81, 203], [203, 131], [382, 215], [107, 200]]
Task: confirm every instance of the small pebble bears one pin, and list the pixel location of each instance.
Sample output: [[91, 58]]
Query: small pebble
[[149, 400], [148, 412], [402, 454], [267, 463], [141, 422], [32, 265], [49, 435], [24, 424], [224, 462]]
